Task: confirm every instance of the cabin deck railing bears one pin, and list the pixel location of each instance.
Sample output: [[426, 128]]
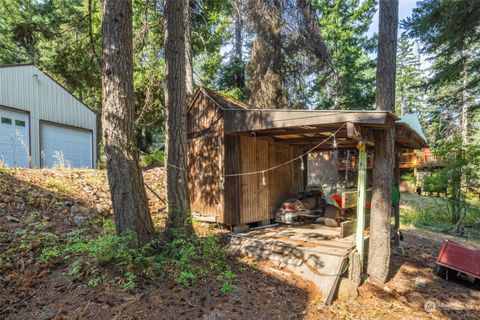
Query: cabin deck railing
[[408, 160]]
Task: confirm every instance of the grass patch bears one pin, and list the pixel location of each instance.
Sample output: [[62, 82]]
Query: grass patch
[[427, 212], [58, 186]]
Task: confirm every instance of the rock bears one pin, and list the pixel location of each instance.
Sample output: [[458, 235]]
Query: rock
[[420, 282], [101, 210], [79, 220], [387, 289], [12, 219], [399, 251], [346, 290], [74, 209], [68, 203]]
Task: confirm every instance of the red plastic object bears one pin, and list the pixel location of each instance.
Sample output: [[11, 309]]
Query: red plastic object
[[338, 199], [460, 258], [288, 207]]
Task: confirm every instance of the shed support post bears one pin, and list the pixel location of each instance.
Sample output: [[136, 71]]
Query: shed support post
[[361, 191], [305, 171]]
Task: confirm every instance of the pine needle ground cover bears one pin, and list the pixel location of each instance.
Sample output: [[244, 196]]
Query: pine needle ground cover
[[60, 259]]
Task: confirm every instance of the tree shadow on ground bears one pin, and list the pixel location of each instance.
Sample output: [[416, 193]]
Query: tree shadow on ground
[[412, 283], [33, 290]]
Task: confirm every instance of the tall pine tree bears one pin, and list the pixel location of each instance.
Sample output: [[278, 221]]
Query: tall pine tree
[[351, 83], [410, 90]]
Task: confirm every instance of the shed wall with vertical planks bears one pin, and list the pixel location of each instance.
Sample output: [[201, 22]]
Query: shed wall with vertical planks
[[235, 200]]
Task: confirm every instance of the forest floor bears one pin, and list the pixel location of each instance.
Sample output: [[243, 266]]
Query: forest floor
[[33, 211]]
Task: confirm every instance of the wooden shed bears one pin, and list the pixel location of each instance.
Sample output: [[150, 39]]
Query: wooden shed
[[232, 148]]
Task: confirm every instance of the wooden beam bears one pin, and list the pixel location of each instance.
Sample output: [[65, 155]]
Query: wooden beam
[[237, 121], [354, 131], [296, 130], [361, 197], [310, 140]]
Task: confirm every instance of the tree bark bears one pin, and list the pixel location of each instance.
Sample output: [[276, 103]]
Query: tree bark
[[125, 178], [175, 100], [266, 80], [312, 34], [379, 253], [188, 55], [239, 74]]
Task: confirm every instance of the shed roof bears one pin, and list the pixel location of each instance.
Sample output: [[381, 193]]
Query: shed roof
[[308, 127]]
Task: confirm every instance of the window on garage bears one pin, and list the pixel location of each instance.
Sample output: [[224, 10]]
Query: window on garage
[[20, 123], [6, 120]]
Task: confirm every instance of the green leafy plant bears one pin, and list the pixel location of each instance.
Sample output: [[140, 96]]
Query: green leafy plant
[[188, 259], [227, 277], [153, 159], [436, 182], [409, 177], [130, 280]]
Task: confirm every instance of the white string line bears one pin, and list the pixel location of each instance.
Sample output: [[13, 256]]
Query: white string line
[[287, 162], [271, 168]]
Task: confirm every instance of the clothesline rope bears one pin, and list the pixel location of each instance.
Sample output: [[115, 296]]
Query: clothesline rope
[[262, 172]]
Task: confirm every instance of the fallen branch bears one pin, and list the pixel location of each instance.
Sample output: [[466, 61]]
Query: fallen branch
[[472, 225], [156, 194], [21, 301]]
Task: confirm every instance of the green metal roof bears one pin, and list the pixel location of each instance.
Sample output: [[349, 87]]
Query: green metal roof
[[412, 121]]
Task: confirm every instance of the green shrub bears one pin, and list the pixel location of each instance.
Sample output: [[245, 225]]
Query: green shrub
[[436, 181], [153, 159], [227, 277], [409, 177], [186, 259]]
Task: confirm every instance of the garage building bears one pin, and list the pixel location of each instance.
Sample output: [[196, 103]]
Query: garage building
[[42, 125]]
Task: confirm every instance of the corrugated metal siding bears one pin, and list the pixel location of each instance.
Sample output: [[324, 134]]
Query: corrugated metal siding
[[45, 100]]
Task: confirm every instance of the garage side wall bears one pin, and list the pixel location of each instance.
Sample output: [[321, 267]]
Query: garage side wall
[[205, 158], [25, 87]]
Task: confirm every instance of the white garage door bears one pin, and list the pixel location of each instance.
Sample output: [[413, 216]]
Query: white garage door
[[14, 138], [65, 147]]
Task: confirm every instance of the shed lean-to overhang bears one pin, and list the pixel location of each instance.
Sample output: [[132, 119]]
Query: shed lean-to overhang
[[309, 127]]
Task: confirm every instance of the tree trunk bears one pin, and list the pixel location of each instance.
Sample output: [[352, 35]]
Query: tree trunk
[[266, 83], [312, 34], [125, 178], [464, 108], [464, 134], [239, 74], [379, 253], [188, 55], [175, 100]]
